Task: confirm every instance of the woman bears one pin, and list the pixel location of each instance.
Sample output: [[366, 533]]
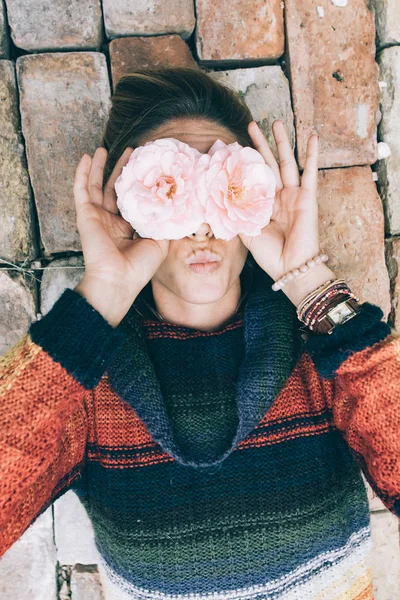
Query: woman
[[214, 424]]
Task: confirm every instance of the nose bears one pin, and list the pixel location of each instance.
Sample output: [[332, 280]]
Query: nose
[[204, 231]]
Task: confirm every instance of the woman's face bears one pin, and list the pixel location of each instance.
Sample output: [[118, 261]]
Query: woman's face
[[175, 278]]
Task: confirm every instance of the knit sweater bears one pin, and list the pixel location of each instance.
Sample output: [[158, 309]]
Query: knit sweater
[[224, 464]]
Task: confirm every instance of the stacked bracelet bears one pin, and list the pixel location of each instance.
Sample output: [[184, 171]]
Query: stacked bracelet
[[295, 273], [308, 310], [329, 305]]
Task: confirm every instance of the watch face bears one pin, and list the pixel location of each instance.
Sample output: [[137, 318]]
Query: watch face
[[340, 313]]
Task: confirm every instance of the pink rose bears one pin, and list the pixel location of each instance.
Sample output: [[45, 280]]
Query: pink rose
[[241, 191], [168, 189], [158, 187]]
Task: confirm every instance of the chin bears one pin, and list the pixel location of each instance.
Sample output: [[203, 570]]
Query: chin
[[204, 290]]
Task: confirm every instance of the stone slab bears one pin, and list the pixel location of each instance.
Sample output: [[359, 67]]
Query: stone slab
[[128, 54], [64, 103], [386, 556], [17, 224], [74, 535], [59, 274], [388, 169], [334, 80], [18, 307], [148, 17], [4, 33], [86, 584], [28, 567], [267, 95], [40, 25], [393, 264], [239, 30], [387, 21], [351, 228]]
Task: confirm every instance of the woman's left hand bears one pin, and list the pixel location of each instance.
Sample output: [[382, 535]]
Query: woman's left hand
[[291, 237]]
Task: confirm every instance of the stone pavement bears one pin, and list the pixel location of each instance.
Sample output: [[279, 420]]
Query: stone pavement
[[330, 66]]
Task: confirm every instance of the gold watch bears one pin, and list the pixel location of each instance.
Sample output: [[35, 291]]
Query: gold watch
[[338, 314]]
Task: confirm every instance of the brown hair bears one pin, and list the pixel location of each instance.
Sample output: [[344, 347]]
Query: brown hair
[[148, 98]]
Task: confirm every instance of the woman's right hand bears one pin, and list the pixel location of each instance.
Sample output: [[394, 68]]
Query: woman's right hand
[[112, 257]]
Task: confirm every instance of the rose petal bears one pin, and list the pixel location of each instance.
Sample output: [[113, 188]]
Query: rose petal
[[156, 188], [241, 188]]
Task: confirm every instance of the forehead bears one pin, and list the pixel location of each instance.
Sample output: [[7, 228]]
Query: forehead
[[198, 133]]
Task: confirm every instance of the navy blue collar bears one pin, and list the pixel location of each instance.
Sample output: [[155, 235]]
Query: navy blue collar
[[273, 346]]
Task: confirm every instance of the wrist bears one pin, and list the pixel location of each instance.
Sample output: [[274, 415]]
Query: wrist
[[297, 289], [111, 302]]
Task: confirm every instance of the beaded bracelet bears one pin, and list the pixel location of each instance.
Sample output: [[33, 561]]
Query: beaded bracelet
[[328, 305], [295, 273]]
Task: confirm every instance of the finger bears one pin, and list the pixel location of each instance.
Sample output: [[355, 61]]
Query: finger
[[287, 163], [80, 187], [261, 145], [110, 197], [309, 179], [96, 176]]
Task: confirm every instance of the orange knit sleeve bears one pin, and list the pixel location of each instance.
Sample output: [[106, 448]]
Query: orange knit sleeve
[[365, 402], [43, 431]]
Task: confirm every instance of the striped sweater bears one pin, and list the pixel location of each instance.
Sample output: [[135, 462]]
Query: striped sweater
[[216, 465]]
